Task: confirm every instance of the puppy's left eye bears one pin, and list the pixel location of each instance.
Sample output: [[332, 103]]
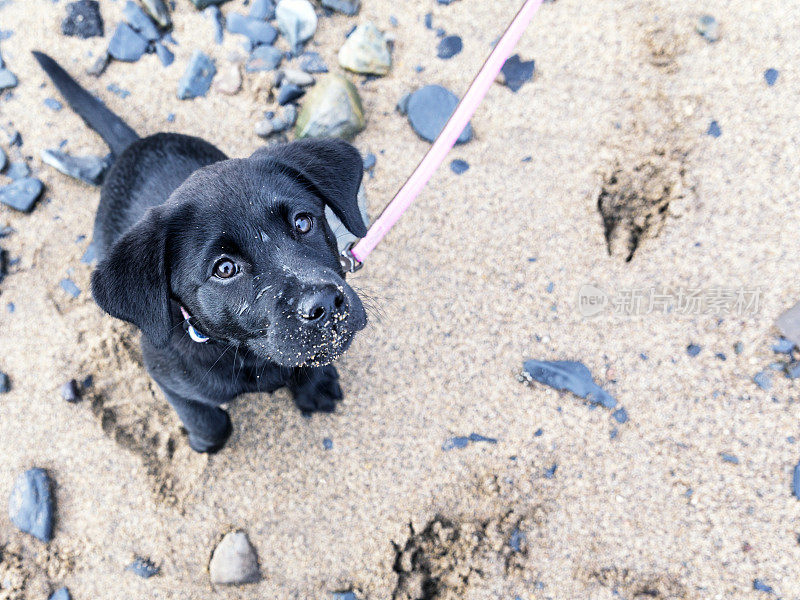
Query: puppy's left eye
[[303, 223], [225, 268]]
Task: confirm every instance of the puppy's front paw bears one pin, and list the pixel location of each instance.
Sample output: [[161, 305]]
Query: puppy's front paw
[[214, 440], [317, 390]]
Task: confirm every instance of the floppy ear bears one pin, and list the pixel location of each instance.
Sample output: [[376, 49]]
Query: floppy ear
[[131, 282], [330, 168]]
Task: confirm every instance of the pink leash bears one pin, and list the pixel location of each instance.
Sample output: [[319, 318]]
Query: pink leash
[[354, 255]]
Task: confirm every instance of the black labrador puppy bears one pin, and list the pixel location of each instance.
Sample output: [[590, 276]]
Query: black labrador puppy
[[228, 266]]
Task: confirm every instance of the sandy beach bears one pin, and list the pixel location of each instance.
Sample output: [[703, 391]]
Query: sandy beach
[[483, 273]]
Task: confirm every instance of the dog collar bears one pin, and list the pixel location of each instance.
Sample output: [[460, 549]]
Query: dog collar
[[193, 333]]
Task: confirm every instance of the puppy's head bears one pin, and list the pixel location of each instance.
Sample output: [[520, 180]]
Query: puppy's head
[[244, 246]]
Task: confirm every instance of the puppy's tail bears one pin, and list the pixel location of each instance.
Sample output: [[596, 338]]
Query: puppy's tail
[[114, 131]]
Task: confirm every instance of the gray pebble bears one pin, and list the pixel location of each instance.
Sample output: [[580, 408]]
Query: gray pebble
[[164, 54], [7, 79], [366, 51], [369, 161], [89, 169], [262, 9], [143, 567], [297, 77], [3, 160], [346, 7], [98, 67], [83, 20], [257, 31], [70, 391], [5, 383], [693, 350], [70, 288], [60, 594], [158, 10], [201, 4], [22, 194], [30, 506], [140, 21], [459, 166], [217, 20], [234, 561], [53, 104], [429, 109], [289, 92], [763, 380], [18, 170], [297, 21], [708, 27], [344, 596], [126, 45], [571, 376], [332, 108], [311, 62], [517, 72], [198, 77], [264, 58]]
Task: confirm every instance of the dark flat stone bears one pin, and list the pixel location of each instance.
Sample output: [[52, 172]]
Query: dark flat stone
[[201, 4], [518, 72], [346, 7], [143, 567], [83, 20], [127, 45], [31, 505], [429, 108], [198, 77], [459, 166], [449, 46], [289, 92], [570, 376], [22, 194], [771, 76]]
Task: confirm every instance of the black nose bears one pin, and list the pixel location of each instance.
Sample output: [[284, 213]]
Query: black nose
[[320, 304]]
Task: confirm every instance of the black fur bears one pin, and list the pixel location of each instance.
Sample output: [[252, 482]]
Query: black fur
[[173, 206]]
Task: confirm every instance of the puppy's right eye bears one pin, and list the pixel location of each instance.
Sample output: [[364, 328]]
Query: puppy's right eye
[[225, 268]]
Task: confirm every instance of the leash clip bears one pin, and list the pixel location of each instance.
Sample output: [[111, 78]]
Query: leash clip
[[349, 262]]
